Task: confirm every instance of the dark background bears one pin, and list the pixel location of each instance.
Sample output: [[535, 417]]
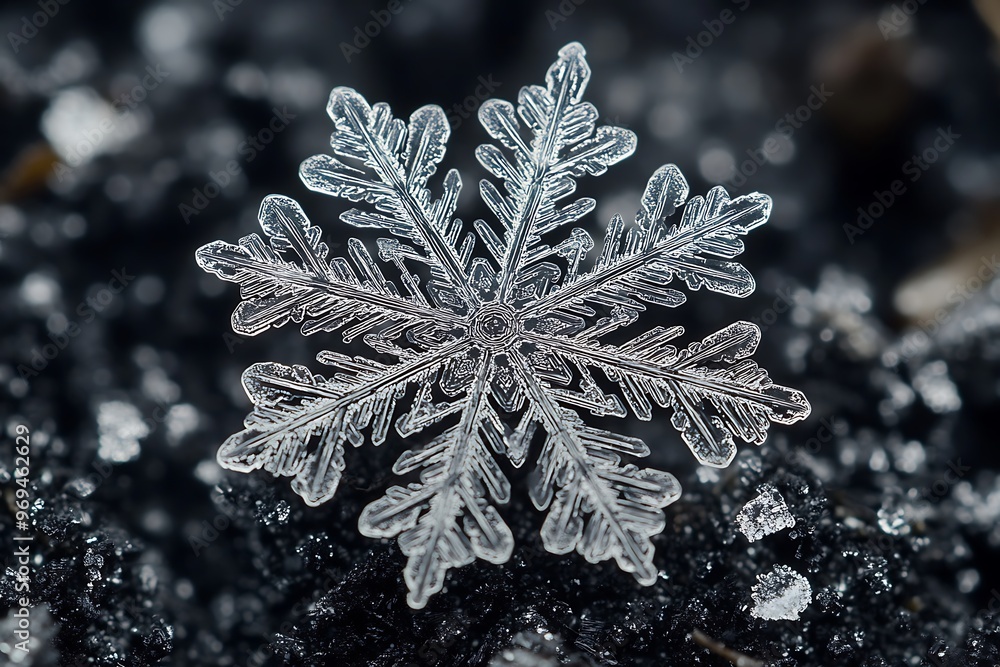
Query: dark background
[[122, 574]]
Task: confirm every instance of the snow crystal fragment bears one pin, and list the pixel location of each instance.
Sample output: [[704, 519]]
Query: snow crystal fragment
[[208, 472], [82, 486], [936, 388], [182, 420], [80, 125], [120, 427], [708, 475], [781, 594], [764, 515], [892, 517], [39, 290]]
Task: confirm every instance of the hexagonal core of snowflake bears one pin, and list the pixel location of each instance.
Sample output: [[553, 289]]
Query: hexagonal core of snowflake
[[494, 326], [489, 291]]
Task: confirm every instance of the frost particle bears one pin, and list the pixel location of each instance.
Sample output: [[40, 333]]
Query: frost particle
[[781, 594], [120, 427], [764, 515]]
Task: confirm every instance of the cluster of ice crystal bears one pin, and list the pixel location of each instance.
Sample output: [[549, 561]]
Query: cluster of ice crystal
[[781, 594], [120, 427], [501, 343], [764, 515]]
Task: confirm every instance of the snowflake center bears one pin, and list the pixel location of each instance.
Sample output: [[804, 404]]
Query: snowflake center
[[494, 325]]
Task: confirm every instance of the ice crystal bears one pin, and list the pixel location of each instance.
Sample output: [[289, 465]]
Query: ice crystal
[[490, 347], [781, 594], [120, 427], [764, 515]]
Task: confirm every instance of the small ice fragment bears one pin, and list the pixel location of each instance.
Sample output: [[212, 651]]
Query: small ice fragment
[[892, 519], [182, 419], [147, 578], [80, 125], [936, 388], [120, 427], [707, 475], [82, 486], [781, 594], [208, 472], [764, 515]]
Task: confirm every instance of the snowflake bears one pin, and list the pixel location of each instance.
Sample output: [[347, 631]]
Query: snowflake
[[489, 347]]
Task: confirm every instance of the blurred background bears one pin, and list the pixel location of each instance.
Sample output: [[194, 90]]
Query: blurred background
[[135, 132]]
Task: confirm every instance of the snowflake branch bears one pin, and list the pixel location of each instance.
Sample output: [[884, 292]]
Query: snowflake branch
[[624, 502], [372, 135], [457, 470], [293, 405], [559, 120], [744, 395], [672, 252], [277, 291]]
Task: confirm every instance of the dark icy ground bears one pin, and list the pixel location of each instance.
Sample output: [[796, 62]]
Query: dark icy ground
[[146, 552]]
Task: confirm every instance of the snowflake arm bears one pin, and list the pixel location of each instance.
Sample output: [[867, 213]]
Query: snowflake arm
[[327, 295], [543, 171], [293, 405], [458, 478], [399, 159], [640, 263], [579, 473], [715, 372]]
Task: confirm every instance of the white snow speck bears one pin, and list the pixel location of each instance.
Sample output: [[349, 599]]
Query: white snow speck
[[764, 515], [120, 427], [182, 420], [781, 594], [80, 125]]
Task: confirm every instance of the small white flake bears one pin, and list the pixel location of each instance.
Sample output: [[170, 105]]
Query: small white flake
[[80, 125], [764, 515], [892, 519], [182, 420], [936, 388], [208, 472], [781, 594], [708, 475], [120, 427]]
